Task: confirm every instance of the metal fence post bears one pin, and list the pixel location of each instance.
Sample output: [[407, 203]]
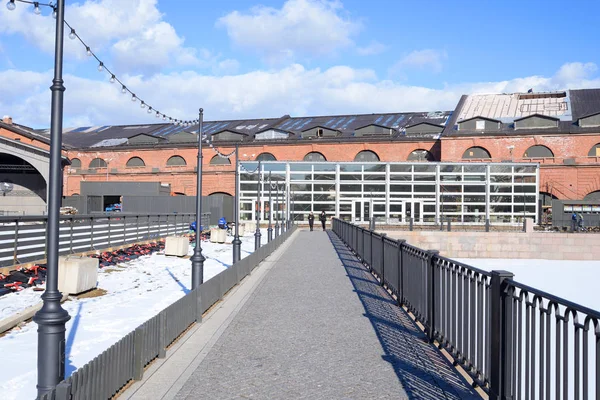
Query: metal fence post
[[92, 233], [400, 296], [411, 221], [137, 228], [371, 250], [124, 229], [15, 259], [487, 224], [501, 344], [71, 234], [449, 225], [63, 391], [383, 259], [109, 231], [148, 238], [138, 346], [430, 274], [441, 224], [162, 335]]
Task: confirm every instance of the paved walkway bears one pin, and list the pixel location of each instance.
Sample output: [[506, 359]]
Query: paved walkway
[[312, 323]]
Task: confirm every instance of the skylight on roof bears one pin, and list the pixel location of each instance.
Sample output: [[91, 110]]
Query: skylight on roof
[[137, 127]]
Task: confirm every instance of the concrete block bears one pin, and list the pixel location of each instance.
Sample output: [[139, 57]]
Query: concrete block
[[221, 235], [177, 246], [77, 274], [242, 229], [528, 225], [250, 227], [214, 233]]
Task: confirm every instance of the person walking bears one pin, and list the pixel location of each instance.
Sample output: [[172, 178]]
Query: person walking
[[580, 225], [311, 220], [323, 219]]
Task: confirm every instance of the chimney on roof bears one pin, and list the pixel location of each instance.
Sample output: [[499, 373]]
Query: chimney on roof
[[7, 119]]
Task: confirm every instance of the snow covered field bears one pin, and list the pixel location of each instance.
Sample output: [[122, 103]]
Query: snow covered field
[[575, 281], [136, 291]]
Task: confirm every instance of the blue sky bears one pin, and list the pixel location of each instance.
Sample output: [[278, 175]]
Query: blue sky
[[255, 59]]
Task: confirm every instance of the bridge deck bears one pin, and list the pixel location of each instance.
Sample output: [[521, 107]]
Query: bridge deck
[[314, 325]]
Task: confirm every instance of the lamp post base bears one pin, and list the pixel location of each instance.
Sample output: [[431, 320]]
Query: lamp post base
[[197, 267], [257, 236], [237, 246], [276, 230], [270, 233]]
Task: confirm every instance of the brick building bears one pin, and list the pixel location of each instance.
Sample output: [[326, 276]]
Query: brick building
[[558, 130]]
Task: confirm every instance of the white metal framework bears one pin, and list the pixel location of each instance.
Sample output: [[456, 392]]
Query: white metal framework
[[465, 193]]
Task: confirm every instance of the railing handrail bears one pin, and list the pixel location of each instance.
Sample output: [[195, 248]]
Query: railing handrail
[[30, 218]]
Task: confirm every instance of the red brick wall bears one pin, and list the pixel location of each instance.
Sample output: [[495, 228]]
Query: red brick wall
[[563, 181]]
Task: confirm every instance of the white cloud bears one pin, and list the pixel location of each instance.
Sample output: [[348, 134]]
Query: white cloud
[[151, 42], [291, 90], [372, 49], [299, 28], [428, 59]]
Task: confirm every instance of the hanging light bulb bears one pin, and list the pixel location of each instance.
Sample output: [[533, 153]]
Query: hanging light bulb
[[101, 66], [157, 114], [164, 117], [88, 51], [112, 79], [72, 35], [170, 120], [36, 8], [149, 110], [143, 105], [133, 98], [124, 89], [54, 13], [11, 5]]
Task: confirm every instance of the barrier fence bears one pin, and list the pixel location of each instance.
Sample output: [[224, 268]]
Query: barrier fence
[[23, 239], [514, 341], [124, 361]]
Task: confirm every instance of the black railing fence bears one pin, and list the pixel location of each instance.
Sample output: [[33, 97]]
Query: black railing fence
[[515, 341], [23, 239]]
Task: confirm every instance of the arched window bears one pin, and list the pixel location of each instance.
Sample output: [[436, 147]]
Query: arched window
[[178, 194], [135, 162], [594, 151], [593, 196], [220, 194], [98, 163], [76, 163], [366, 155], [266, 157], [420, 155], [176, 161], [218, 160], [314, 156], [538, 151], [476, 152]]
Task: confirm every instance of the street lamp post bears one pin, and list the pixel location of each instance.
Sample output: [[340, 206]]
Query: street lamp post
[[277, 209], [197, 258], [292, 219], [270, 228], [237, 243], [284, 213], [52, 318], [257, 234]]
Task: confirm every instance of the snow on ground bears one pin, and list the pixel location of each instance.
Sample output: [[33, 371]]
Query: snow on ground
[[575, 281], [136, 291]]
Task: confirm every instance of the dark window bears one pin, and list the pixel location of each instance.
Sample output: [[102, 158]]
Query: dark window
[[76, 163], [367, 155], [314, 156], [420, 155], [266, 157], [98, 163], [175, 161], [538, 151], [135, 162], [476, 152], [595, 151], [218, 160]]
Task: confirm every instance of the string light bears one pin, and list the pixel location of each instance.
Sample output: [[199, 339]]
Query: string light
[[11, 5]]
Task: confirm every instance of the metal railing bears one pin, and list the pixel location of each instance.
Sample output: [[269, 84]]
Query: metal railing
[[514, 341], [23, 239], [109, 372]]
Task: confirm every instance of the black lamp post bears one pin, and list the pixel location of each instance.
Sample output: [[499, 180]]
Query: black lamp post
[[257, 234], [52, 318], [277, 209], [270, 228], [197, 258], [292, 218], [237, 243]]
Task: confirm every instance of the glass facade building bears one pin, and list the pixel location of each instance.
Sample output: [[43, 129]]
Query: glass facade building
[[392, 193]]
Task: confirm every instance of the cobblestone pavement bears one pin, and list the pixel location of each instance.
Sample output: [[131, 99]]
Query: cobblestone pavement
[[320, 327]]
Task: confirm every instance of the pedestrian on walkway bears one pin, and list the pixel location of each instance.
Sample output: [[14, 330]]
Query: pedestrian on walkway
[[580, 225], [323, 219], [311, 220]]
